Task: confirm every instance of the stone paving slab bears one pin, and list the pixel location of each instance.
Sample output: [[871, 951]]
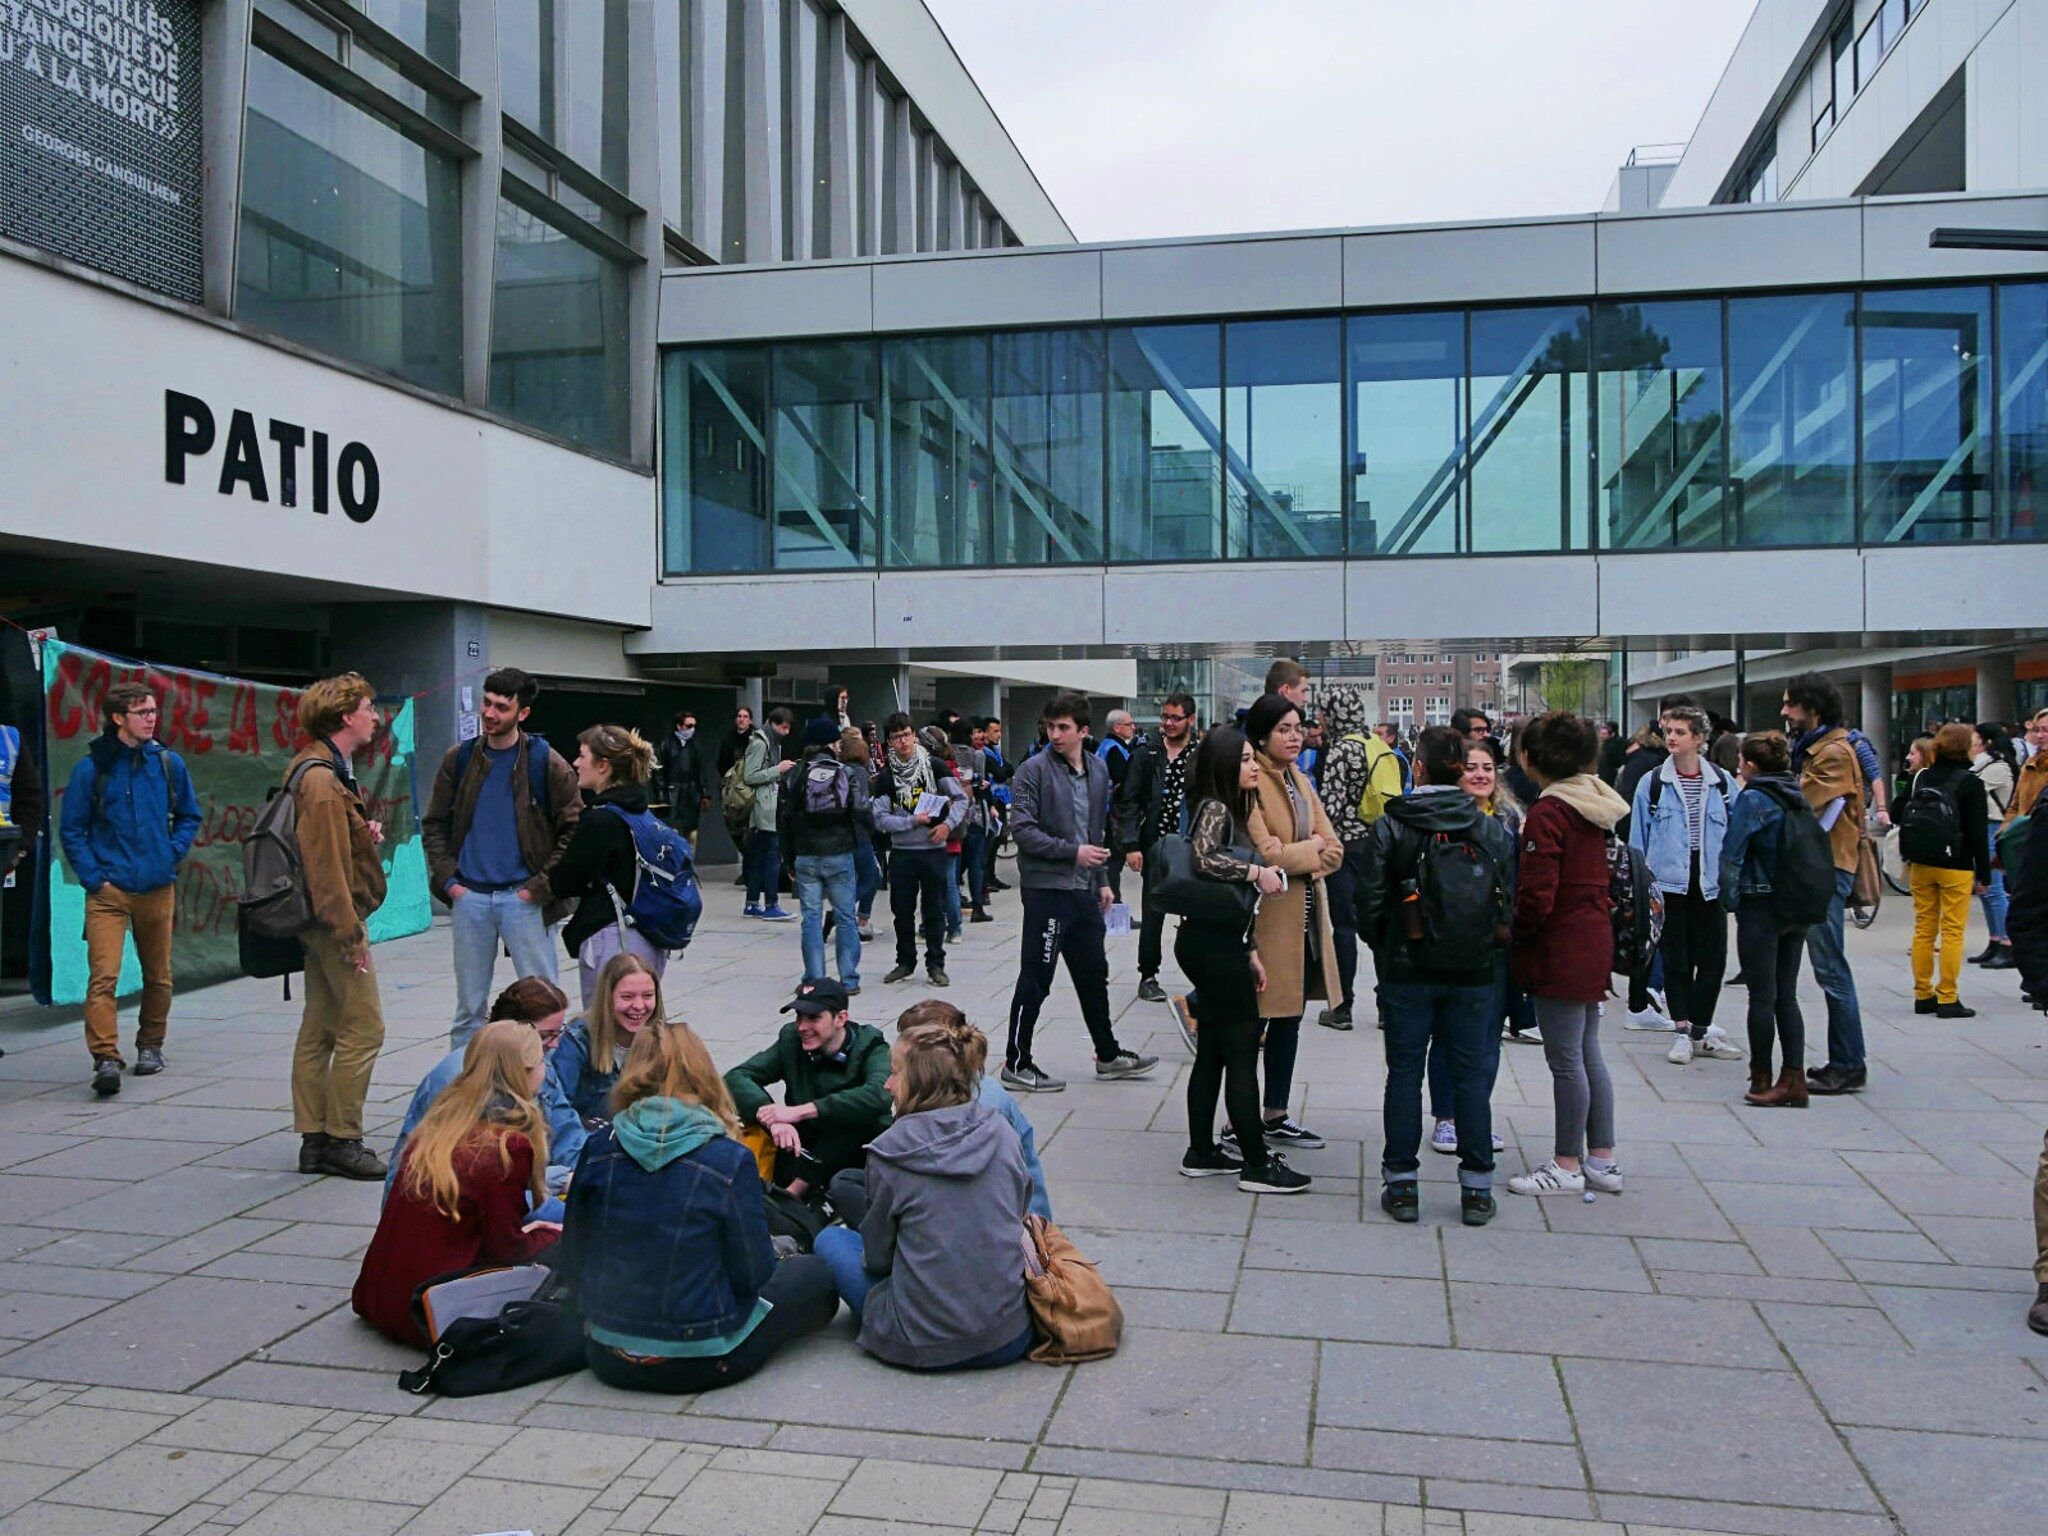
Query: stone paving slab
[[1792, 1324]]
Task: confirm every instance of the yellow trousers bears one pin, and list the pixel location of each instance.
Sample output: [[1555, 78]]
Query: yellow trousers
[[1941, 904]]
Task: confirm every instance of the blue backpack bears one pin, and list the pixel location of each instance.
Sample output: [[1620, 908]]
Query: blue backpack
[[665, 903]]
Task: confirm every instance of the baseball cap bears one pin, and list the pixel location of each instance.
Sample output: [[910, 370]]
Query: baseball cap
[[822, 996]]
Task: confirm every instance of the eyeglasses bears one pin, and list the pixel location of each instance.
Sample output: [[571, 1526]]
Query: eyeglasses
[[1288, 730], [1172, 719], [144, 714]]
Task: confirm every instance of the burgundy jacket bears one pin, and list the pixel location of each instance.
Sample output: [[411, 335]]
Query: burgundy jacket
[[1563, 936]]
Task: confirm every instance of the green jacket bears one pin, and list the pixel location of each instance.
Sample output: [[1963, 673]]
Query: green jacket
[[851, 1093], [762, 768]]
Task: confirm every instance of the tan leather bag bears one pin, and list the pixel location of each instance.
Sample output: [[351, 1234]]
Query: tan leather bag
[[1868, 889], [1071, 1302]]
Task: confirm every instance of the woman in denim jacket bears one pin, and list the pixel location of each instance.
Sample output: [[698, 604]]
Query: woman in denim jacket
[[668, 1246], [1767, 946]]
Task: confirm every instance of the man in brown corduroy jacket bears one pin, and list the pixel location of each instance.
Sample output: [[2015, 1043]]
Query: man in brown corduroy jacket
[[342, 1028]]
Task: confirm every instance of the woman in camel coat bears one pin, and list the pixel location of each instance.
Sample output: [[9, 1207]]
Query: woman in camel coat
[[1291, 831]]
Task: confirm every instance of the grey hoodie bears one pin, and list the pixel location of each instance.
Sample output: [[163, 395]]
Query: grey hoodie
[[947, 1192]]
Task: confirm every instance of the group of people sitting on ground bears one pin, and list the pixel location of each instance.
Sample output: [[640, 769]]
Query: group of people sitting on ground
[[613, 1151]]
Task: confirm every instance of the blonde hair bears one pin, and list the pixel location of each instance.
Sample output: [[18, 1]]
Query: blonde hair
[[937, 1013], [490, 1100], [604, 1029], [930, 1064], [325, 704], [629, 757], [669, 1060]]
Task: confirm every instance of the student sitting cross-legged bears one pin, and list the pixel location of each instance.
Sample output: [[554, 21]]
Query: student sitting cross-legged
[[470, 1169], [669, 1250], [835, 1100], [935, 1272], [593, 1049]]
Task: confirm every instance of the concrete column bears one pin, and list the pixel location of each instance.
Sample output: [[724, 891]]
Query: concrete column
[[1021, 709], [752, 692], [1877, 711], [802, 127], [763, 148], [974, 696], [873, 692], [842, 174], [430, 651], [1995, 686], [224, 65]]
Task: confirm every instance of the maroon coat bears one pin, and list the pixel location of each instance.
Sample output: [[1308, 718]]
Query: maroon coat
[[1563, 937], [415, 1243]]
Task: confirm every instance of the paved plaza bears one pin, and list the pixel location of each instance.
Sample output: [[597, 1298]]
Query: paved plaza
[[1792, 1322]]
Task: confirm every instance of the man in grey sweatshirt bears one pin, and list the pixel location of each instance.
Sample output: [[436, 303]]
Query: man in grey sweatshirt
[[1059, 813]]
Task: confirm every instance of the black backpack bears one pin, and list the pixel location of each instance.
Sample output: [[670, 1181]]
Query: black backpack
[[1931, 826], [1804, 889], [1457, 918], [1635, 908]]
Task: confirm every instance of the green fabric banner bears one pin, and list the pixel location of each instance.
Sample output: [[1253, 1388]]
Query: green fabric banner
[[236, 738]]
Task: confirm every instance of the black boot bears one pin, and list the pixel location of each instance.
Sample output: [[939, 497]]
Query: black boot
[[350, 1160], [312, 1148]]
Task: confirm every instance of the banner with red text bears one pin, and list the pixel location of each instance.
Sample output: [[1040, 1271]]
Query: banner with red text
[[236, 738]]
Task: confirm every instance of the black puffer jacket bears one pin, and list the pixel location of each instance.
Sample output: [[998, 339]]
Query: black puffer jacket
[[1393, 850], [600, 853]]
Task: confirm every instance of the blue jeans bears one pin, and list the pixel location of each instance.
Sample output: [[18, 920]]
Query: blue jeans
[[1831, 969], [867, 877], [1458, 1023], [762, 862], [1996, 901], [952, 895], [821, 878], [974, 853], [482, 920], [841, 1248]]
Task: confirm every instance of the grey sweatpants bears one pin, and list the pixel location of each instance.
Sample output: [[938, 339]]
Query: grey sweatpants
[[1579, 1085]]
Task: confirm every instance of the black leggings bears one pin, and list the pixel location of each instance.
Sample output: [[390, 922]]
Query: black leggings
[[1695, 953], [1226, 1039], [804, 1301], [1769, 951]]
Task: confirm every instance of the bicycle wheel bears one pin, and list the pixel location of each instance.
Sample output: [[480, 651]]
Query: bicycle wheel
[[1892, 867]]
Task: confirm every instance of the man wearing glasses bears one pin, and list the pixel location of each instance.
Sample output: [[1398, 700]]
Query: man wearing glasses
[[1148, 805], [129, 818]]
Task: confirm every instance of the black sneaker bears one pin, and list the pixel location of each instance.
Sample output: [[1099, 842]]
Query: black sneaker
[[1402, 1201], [2004, 960], [900, 973], [312, 1147], [1125, 1064], [1149, 990], [1335, 1018], [1924, 1005], [1955, 1010], [106, 1077], [148, 1061], [938, 978], [982, 915], [350, 1160], [1273, 1177], [1210, 1164], [1989, 950], [1288, 1134], [1477, 1206], [1831, 1080]]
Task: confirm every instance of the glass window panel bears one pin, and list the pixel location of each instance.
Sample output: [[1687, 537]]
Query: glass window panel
[[1661, 442], [351, 233], [559, 327], [1530, 411], [562, 73], [2023, 410], [1048, 445], [433, 27], [935, 468], [825, 455], [1926, 415], [714, 491], [1407, 432], [1166, 442], [1792, 419], [1283, 405]]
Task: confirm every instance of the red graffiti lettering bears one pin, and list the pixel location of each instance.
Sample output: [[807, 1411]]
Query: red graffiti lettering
[[284, 728], [243, 735]]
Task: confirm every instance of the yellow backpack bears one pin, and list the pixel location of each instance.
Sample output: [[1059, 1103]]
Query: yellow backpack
[[1373, 804]]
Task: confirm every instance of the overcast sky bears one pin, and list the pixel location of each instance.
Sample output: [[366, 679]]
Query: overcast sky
[[1183, 117]]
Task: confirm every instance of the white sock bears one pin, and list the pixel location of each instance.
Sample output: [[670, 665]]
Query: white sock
[[1601, 1164]]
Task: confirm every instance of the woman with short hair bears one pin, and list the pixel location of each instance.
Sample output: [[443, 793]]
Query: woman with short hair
[[471, 1169]]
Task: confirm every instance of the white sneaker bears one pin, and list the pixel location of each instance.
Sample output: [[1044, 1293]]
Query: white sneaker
[[1607, 1180], [1718, 1046], [1548, 1180], [1646, 1018], [1681, 1049]]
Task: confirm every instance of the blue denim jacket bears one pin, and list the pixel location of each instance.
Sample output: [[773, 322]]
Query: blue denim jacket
[[1749, 856], [1661, 835], [679, 1253]]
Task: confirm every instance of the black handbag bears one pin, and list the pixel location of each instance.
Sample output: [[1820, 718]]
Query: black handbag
[[527, 1341], [1174, 886]]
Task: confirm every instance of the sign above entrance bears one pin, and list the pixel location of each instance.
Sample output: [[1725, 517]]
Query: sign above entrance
[[267, 466]]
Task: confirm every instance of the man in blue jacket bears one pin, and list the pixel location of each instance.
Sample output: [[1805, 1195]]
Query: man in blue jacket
[[129, 818]]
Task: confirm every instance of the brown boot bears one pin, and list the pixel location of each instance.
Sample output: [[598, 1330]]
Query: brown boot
[[1789, 1092], [1759, 1081]]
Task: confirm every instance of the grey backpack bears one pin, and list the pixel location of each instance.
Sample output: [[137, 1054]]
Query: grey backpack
[[274, 903]]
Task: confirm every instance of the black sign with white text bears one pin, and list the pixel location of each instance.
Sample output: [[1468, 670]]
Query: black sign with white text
[[100, 135]]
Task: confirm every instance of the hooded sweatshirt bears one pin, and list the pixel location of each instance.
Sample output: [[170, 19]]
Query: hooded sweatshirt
[[947, 1192], [1563, 933], [1392, 855], [1349, 758]]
